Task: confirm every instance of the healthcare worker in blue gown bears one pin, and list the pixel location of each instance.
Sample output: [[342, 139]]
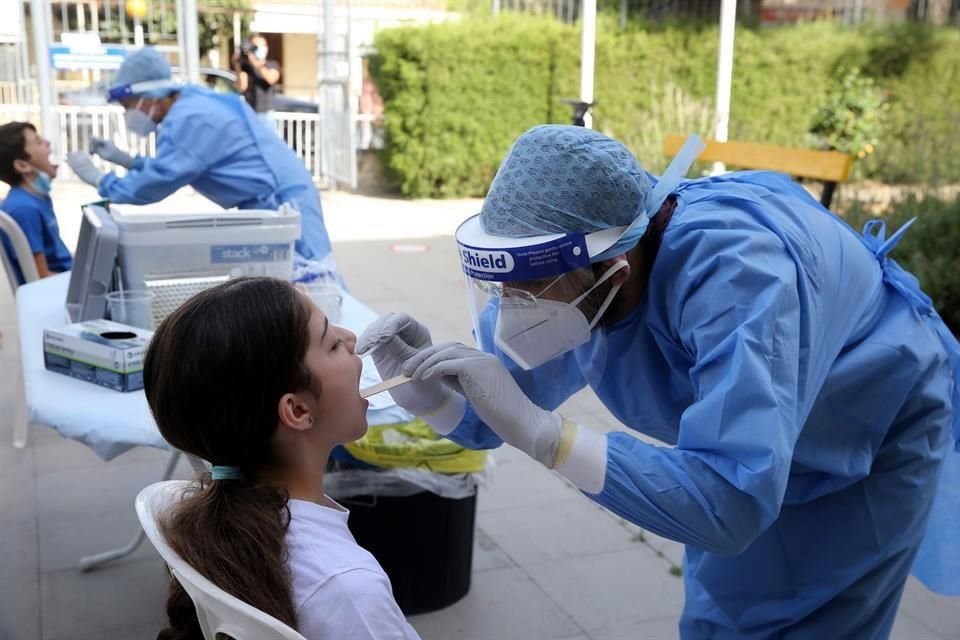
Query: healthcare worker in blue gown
[[211, 141], [804, 386]]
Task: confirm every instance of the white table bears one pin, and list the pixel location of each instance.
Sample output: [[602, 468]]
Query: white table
[[112, 422]]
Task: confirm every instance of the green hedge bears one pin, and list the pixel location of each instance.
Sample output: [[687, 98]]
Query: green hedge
[[458, 94]]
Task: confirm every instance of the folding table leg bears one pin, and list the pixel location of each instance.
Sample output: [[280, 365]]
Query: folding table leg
[[91, 562], [20, 419]]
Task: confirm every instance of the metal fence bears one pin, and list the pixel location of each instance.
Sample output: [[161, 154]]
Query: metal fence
[[109, 19], [15, 84], [771, 12], [301, 131], [77, 126], [338, 154]]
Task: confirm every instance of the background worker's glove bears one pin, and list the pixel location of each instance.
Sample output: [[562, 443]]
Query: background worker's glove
[[83, 166], [577, 453], [391, 340], [111, 152]]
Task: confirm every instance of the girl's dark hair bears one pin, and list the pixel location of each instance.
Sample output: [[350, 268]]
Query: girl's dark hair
[[12, 143], [213, 376]]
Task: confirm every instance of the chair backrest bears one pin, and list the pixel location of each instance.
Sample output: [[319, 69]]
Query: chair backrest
[[22, 250], [219, 612], [829, 166]]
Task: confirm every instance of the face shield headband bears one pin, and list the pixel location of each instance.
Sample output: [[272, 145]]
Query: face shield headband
[[150, 89]]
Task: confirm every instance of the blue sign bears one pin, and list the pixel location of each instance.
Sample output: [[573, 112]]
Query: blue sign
[[67, 58], [240, 253]]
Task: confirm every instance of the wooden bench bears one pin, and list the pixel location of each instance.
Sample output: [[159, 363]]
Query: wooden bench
[[831, 167]]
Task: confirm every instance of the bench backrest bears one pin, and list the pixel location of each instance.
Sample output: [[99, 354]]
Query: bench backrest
[[829, 166]]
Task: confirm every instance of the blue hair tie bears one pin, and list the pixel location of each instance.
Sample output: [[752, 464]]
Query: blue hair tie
[[225, 472]]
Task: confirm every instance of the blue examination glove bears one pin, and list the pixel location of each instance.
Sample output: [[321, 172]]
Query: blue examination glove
[[83, 166]]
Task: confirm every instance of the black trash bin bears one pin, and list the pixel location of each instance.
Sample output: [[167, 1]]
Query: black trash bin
[[423, 541]]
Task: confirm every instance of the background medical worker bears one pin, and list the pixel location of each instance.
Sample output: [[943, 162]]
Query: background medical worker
[[804, 381], [213, 142]]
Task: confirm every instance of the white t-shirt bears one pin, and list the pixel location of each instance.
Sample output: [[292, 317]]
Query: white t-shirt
[[339, 589]]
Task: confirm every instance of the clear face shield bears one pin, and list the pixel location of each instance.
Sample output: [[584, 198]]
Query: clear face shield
[[537, 302], [137, 120]]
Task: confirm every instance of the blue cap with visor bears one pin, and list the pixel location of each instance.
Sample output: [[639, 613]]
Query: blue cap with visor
[[145, 72]]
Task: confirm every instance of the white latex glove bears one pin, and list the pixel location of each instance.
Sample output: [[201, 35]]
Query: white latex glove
[[391, 340], [579, 454], [83, 166], [495, 396], [110, 152]]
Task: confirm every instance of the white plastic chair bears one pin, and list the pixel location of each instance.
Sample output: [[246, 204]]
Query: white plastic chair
[[219, 612], [22, 250], [29, 270]]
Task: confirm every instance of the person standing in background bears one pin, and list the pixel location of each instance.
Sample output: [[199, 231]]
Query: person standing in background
[[371, 114], [256, 75]]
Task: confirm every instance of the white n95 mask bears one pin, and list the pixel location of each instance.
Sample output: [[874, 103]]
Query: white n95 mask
[[139, 122], [532, 330]]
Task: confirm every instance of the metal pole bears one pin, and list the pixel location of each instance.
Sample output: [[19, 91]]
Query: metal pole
[[137, 32], [321, 43], [326, 71], [237, 27], [181, 46], [23, 62], [329, 64], [41, 52], [728, 21], [351, 102], [191, 41], [348, 51], [588, 22], [48, 16]]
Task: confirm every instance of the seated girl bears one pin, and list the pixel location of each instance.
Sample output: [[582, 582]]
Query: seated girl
[[252, 377]]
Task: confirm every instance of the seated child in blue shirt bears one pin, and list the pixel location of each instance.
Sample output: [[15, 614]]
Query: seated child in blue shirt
[[25, 165]]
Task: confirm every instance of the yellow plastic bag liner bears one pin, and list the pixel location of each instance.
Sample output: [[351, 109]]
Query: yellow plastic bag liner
[[415, 445]]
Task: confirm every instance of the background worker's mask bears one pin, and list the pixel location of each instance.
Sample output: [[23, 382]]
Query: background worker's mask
[[138, 122], [532, 330]]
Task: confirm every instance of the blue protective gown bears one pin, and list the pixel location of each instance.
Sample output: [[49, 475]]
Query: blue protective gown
[[215, 143], [807, 388]]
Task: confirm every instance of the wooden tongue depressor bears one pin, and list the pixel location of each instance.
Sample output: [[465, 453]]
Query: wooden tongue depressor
[[384, 386]]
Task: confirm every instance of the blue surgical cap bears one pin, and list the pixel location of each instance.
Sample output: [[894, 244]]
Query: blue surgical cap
[[566, 179], [144, 65]]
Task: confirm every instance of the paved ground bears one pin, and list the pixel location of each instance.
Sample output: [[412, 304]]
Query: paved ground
[[548, 563]]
